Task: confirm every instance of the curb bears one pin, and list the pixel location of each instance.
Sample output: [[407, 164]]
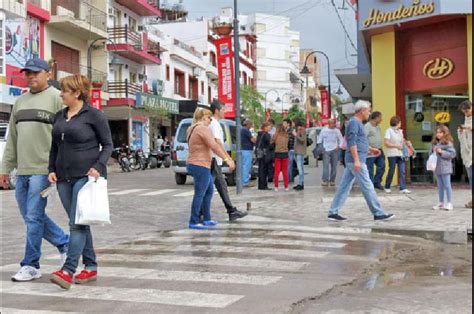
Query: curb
[[455, 236]]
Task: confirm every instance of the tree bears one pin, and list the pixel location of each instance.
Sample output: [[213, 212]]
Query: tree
[[252, 107], [295, 113]]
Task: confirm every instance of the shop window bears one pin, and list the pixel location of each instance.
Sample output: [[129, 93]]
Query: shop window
[[420, 115]]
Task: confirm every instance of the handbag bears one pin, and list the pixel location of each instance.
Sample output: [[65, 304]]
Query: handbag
[[318, 151], [432, 162], [93, 203], [408, 150]]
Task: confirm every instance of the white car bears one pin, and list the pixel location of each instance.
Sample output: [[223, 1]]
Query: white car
[[3, 143]]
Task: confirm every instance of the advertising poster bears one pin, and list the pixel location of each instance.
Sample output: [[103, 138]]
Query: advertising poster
[[226, 75], [22, 41]]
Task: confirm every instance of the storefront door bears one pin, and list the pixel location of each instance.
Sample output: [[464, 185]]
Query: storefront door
[[423, 114]]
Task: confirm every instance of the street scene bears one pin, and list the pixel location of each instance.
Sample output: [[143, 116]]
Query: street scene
[[236, 156]]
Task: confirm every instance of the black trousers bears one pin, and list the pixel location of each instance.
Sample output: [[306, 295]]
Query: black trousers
[[221, 186], [263, 173]]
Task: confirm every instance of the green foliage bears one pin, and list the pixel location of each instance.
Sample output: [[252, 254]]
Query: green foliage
[[277, 117], [157, 112], [252, 107], [295, 113]]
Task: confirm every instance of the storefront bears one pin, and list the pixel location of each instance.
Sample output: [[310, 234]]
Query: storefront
[[420, 54]]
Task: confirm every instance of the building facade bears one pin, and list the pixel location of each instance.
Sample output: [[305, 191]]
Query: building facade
[[420, 58]]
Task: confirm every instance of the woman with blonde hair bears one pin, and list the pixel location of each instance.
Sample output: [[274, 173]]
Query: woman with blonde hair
[[81, 146], [201, 146]]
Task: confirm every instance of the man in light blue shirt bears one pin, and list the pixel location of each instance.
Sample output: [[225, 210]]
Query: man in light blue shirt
[[356, 168], [331, 139]]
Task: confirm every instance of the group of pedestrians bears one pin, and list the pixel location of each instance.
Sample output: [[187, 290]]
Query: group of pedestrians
[[55, 138]]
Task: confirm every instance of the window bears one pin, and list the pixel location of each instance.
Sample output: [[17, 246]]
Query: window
[[202, 88], [168, 74], [179, 85], [132, 24], [183, 133]]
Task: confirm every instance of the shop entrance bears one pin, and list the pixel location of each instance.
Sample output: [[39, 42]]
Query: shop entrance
[[119, 130], [421, 114]]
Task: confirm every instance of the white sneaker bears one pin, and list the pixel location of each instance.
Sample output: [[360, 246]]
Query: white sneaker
[[405, 191], [287, 190], [388, 191], [439, 206], [27, 273], [276, 189], [449, 207]]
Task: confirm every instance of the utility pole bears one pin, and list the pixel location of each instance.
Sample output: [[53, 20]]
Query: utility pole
[[237, 100]]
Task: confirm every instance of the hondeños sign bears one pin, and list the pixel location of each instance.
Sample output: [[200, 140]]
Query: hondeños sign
[[382, 13]]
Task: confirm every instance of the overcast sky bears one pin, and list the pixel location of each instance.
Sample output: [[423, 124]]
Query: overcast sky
[[316, 20]]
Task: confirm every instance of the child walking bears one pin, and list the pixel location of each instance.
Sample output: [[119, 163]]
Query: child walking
[[444, 149]]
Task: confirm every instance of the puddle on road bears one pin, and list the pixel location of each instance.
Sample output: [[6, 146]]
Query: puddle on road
[[397, 278]]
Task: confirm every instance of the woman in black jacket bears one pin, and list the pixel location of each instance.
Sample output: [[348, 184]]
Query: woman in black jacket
[[81, 146], [264, 156]]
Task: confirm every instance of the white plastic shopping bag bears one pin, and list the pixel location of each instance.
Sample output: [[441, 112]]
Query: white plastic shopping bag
[[93, 203], [431, 163]]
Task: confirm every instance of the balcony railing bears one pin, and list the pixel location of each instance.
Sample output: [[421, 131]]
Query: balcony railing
[[71, 69], [80, 10], [125, 35], [119, 89]]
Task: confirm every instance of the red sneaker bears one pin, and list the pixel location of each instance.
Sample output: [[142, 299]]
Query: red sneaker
[[62, 279], [86, 276]]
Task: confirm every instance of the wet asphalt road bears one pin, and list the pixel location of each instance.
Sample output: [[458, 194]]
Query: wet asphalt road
[[150, 263]]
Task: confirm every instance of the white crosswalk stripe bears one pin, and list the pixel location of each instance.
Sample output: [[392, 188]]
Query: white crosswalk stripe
[[239, 240], [273, 227], [155, 193], [168, 275], [185, 194], [275, 265], [181, 298], [6, 310], [127, 192]]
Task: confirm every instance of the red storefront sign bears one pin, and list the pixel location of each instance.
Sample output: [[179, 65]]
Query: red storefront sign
[[325, 106], [96, 99], [225, 67], [308, 119]]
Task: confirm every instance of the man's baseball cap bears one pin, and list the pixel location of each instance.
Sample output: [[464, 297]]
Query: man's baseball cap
[[36, 65]]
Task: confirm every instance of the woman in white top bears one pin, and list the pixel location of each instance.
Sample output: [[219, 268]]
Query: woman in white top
[[394, 141]]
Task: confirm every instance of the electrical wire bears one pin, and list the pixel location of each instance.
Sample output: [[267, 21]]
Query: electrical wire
[[343, 26]]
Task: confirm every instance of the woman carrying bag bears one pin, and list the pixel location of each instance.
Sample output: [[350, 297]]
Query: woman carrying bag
[[395, 143], [81, 146]]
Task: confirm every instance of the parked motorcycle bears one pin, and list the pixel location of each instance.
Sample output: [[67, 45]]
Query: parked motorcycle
[[122, 154], [138, 160], [159, 158]]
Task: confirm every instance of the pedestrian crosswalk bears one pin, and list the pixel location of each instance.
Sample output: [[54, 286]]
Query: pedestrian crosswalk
[[151, 192], [190, 270]]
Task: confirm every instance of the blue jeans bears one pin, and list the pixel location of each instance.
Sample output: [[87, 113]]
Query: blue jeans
[[81, 236], [291, 159], [247, 156], [379, 163], [203, 193], [366, 186], [469, 175], [444, 184], [300, 163], [330, 159], [392, 163], [38, 224]]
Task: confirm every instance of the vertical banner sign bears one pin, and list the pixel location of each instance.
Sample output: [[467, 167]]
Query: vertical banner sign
[[96, 99], [225, 68], [325, 106]]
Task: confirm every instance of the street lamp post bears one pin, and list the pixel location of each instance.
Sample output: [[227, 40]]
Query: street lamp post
[[305, 71], [268, 92], [89, 55]]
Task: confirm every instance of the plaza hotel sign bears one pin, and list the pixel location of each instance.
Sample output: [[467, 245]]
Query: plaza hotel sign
[[417, 8]]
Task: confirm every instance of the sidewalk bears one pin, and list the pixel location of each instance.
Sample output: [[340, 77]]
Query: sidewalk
[[414, 213]]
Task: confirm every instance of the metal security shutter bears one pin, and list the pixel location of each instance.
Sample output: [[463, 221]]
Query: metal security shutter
[[67, 59]]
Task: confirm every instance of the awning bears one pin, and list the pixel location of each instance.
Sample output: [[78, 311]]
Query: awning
[[359, 86]]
